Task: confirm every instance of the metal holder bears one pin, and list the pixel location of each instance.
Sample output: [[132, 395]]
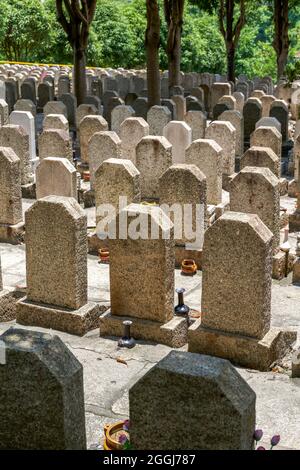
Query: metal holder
[[127, 341]]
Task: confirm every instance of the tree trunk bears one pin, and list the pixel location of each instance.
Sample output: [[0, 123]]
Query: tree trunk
[[281, 40], [231, 62], [174, 17], [174, 60], [152, 41], [79, 81]]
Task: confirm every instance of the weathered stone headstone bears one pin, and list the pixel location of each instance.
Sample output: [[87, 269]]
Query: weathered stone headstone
[[55, 107], [158, 117], [237, 258], [217, 389], [185, 186], [45, 94], [25, 105], [84, 110], [102, 146], [55, 143], [10, 191], [280, 111], [196, 120], [153, 158], [236, 119], [267, 137], [132, 132], [217, 91], [240, 101], [144, 295], [70, 102], [28, 91], [56, 121], [57, 281], [268, 122], [26, 120], [3, 113], [56, 177], [256, 191], [15, 137], [261, 157], [224, 134], [118, 116], [179, 134], [89, 125], [252, 113], [207, 156], [266, 102], [41, 383], [180, 104], [115, 178], [140, 106]]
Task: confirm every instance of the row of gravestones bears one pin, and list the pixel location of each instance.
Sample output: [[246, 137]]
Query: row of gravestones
[[236, 260], [237, 277], [51, 416], [214, 156]]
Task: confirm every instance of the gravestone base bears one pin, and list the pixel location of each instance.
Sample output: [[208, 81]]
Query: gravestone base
[[182, 253], [281, 267], [8, 300], [173, 333], [76, 322], [283, 186], [293, 188], [296, 272], [294, 221], [226, 180], [13, 234], [29, 191], [241, 350]]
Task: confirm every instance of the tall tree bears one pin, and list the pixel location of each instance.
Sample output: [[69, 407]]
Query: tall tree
[[281, 41], [232, 19], [174, 17], [76, 16], [152, 43]]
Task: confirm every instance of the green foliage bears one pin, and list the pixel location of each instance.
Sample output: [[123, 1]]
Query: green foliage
[[29, 31], [24, 26]]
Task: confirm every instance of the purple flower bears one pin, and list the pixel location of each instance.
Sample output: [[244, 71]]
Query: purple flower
[[260, 448], [258, 435], [122, 439], [275, 440], [126, 425]]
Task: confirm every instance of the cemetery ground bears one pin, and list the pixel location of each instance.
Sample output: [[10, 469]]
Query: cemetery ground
[[110, 371]]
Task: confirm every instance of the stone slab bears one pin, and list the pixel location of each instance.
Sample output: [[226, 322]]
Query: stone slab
[[173, 333], [76, 322], [241, 350]]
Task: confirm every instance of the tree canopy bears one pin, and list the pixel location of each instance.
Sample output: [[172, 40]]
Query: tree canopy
[[29, 31]]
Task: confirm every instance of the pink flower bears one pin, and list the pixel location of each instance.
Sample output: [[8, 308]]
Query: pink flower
[[260, 448], [275, 440], [258, 435], [122, 439], [126, 425]]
